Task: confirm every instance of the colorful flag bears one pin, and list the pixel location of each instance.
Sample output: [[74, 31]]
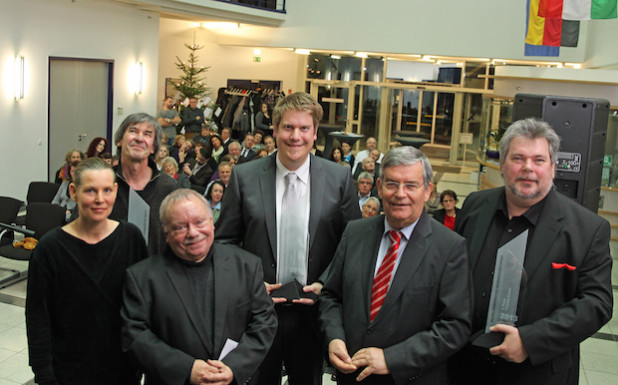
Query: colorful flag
[[589, 9], [543, 36]]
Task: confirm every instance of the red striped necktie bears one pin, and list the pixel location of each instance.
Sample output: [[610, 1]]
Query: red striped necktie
[[383, 278]]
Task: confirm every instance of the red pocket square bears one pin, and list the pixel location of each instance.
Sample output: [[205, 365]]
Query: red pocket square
[[555, 265]]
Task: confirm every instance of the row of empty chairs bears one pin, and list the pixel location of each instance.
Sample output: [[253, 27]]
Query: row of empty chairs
[[40, 217]]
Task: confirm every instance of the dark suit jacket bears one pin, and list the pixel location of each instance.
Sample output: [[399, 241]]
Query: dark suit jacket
[[252, 154], [249, 205], [161, 327], [426, 314], [202, 177], [561, 307]]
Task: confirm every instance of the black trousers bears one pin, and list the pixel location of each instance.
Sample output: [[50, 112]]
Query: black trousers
[[298, 345]]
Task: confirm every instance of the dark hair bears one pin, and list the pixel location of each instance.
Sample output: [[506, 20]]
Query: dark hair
[[91, 164], [213, 136], [105, 155], [206, 150], [209, 192], [332, 153], [140, 117], [92, 147], [448, 193]]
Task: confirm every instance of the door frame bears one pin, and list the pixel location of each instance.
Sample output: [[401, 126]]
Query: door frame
[[110, 98]]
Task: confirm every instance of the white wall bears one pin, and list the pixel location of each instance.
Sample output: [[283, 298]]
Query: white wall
[[477, 28], [38, 29], [226, 62]]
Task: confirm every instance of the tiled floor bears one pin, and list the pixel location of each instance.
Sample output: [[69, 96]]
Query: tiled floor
[[599, 353]]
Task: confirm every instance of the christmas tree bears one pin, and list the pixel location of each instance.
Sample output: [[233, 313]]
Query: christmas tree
[[191, 84]]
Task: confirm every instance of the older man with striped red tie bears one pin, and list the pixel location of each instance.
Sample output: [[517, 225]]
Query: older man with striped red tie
[[396, 301]]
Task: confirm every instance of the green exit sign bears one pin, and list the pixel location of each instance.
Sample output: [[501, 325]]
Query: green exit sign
[[257, 59]]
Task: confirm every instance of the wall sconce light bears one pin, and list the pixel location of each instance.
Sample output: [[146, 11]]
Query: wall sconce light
[[19, 77], [138, 78]]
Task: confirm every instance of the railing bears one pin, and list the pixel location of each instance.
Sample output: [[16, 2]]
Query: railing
[[268, 5]]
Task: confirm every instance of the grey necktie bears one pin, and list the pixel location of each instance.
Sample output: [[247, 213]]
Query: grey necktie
[[292, 263]]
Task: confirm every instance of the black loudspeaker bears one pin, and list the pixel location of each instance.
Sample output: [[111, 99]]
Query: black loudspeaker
[[581, 124]]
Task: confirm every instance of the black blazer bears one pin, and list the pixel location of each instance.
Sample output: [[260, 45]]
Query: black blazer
[[427, 311], [161, 327], [249, 205], [561, 306]]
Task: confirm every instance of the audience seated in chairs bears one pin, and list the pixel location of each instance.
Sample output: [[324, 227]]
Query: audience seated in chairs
[[63, 196], [63, 173], [97, 147], [214, 195], [170, 167]]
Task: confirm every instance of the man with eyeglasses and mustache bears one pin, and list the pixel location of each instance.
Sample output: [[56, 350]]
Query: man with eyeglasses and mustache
[[184, 309]]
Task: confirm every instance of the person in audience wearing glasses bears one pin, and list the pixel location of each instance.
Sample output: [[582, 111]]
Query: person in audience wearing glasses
[[396, 299], [447, 214], [364, 185], [75, 281], [63, 196]]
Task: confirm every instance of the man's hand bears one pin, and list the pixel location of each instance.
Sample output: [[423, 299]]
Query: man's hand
[[186, 169], [315, 287], [220, 375], [199, 371], [373, 359], [339, 357], [274, 286], [512, 348]]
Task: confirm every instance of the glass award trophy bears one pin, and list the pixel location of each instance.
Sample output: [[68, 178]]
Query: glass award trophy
[[505, 290]]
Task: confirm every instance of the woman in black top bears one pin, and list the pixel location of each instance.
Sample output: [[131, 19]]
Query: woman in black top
[[75, 281], [264, 120]]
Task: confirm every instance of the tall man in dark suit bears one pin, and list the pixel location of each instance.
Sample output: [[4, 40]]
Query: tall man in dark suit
[[290, 210], [396, 300], [184, 309], [566, 295]]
